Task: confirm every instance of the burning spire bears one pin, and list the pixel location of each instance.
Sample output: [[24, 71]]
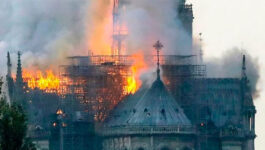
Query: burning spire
[[120, 30], [158, 46]]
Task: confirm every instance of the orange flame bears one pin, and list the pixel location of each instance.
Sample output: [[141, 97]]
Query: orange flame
[[44, 81], [99, 27], [133, 81]]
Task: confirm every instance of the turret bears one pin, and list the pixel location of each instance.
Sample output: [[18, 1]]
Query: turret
[[9, 65], [19, 79], [20, 95], [9, 79], [185, 15], [248, 109]]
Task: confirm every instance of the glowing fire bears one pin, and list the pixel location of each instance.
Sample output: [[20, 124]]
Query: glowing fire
[[99, 27], [131, 86], [44, 81], [133, 81]]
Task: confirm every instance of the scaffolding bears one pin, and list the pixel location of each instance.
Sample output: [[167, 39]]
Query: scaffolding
[[99, 81]]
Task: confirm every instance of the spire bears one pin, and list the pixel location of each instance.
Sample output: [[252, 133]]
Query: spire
[[9, 79], [9, 65], [244, 75], [158, 46], [201, 51], [19, 80]]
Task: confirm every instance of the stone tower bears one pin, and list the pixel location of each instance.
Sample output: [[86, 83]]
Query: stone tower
[[248, 110]]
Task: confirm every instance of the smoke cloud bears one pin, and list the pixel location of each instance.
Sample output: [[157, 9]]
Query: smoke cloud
[[44, 31], [47, 31], [230, 64], [157, 20]]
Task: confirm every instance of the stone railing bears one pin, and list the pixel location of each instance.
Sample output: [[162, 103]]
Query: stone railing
[[141, 130]]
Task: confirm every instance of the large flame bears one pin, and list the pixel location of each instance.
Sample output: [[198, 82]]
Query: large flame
[[99, 27], [133, 81], [47, 81]]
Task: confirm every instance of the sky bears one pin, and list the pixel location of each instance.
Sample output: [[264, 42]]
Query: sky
[[226, 24]]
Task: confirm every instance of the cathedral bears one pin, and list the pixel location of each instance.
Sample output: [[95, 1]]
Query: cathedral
[[206, 114], [182, 109], [189, 113]]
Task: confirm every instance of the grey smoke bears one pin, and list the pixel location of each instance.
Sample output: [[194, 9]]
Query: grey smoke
[[230, 64], [42, 30], [157, 20]]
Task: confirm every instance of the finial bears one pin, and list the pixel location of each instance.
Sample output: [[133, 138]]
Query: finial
[[201, 51], [244, 75], [158, 46]]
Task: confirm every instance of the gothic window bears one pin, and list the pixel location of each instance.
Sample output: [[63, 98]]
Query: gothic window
[[250, 123]]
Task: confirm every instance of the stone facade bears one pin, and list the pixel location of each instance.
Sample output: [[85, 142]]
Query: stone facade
[[156, 142]]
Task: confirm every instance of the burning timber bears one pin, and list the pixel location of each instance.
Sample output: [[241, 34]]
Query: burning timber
[[100, 82]]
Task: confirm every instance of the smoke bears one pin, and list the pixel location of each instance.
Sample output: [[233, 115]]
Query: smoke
[[230, 64], [45, 31], [149, 21]]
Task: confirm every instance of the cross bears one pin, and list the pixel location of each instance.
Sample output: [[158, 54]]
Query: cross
[[158, 46]]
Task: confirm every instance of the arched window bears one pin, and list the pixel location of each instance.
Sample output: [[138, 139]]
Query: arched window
[[140, 148], [250, 123]]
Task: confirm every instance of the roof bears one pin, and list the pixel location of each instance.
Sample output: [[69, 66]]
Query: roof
[[149, 107], [217, 99]]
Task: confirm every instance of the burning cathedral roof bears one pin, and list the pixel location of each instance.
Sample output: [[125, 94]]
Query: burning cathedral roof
[[152, 107]]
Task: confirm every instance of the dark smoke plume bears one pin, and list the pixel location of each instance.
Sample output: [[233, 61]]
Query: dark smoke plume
[[230, 64]]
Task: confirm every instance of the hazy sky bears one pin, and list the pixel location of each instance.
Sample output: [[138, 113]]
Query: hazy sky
[[235, 23]]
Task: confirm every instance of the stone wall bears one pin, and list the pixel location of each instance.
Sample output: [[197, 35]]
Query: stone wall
[[163, 142]]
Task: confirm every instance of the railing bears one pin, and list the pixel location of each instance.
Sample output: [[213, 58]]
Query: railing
[[132, 130], [129, 59]]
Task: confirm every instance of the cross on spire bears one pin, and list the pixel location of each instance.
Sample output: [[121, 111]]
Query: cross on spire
[[158, 46]]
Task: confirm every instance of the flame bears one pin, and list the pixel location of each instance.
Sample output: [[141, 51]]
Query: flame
[[44, 81], [131, 86], [133, 81], [99, 27]]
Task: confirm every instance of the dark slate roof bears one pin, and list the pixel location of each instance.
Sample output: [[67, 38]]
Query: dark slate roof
[[217, 99], [152, 107]]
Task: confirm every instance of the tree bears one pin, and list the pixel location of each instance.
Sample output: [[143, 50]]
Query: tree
[[13, 127]]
